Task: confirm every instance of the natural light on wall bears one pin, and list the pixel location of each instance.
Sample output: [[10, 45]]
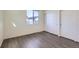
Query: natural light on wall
[[32, 16], [14, 25]]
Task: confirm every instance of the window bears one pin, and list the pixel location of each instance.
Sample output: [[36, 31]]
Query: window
[[32, 16]]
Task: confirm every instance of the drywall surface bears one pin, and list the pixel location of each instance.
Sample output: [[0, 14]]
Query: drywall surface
[[77, 25], [1, 27], [16, 25], [52, 21], [69, 21]]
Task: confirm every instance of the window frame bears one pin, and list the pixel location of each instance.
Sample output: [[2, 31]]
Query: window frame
[[33, 16]]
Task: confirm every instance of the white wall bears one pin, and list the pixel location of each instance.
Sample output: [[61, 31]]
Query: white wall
[[1, 27], [77, 25], [18, 17], [78, 29], [52, 21]]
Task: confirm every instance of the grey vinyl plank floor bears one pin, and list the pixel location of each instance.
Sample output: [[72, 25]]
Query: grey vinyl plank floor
[[39, 40]]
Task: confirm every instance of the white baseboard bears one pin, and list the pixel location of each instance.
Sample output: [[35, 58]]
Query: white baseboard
[[22, 35], [1, 42]]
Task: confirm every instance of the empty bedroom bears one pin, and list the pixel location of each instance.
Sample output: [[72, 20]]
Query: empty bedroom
[[39, 28]]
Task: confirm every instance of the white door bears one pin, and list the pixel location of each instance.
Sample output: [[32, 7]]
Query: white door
[[52, 21], [68, 24]]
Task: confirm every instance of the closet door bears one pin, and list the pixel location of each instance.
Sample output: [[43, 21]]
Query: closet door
[[52, 21], [68, 24]]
